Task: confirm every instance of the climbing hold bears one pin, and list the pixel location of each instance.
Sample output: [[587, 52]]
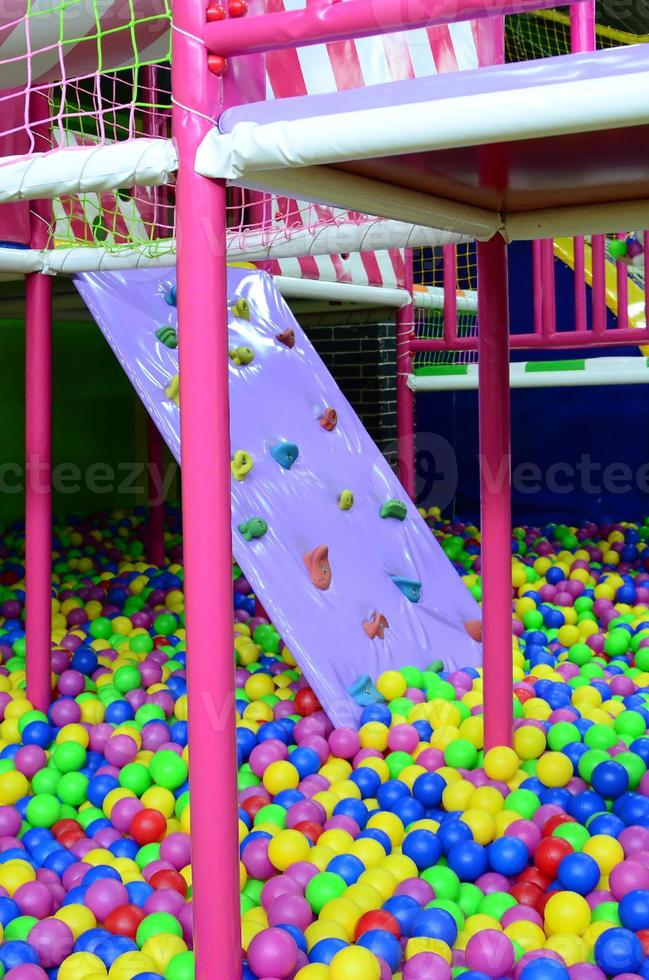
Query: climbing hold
[[394, 508], [256, 527], [329, 420], [317, 563], [410, 588], [346, 500], [287, 337], [284, 453], [474, 629], [173, 389], [376, 626], [363, 692], [170, 296], [241, 464], [241, 309], [168, 336], [241, 355], [436, 666]]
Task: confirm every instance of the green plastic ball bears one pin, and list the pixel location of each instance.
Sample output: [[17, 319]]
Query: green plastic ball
[[43, 810], [322, 888], [156, 924], [168, 769]]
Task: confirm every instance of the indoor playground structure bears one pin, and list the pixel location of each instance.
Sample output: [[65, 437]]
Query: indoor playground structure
[[299, 728]]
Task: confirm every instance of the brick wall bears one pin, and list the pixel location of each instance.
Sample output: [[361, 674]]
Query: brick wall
[[361, 358]]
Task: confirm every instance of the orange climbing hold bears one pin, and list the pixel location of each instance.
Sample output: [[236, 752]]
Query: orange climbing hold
[[317, 563], [329, 420], [287, 337], [474, 629], [376, 626]]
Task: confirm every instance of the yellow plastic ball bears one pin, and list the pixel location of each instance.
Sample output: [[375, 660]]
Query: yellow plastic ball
[[567, 912], [424, 944], [280, 775], [343, 912], [390, 824], [15, 873], [79, 965], [526, 934], [313, 971], [374, 735], [162, 948], [607, 851], [77, 918], [501, 763], [554, 769], [572, 949], [457, 795], [354, 963], [286, 848], [529, 742], [483, 825], [381, 880], [391, 684], [259, 685], [488, 799], [318, 931], [13, 786]]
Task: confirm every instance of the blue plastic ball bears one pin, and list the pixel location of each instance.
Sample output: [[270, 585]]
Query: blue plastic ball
[[544, 968], [610, 779], [508, 856], [435, 924], [618, 951], [383, 944], [423, 847], [634, 910], [325, 950], [579, 873], [468, 860]]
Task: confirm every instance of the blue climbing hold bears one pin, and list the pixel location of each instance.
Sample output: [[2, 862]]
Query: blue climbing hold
[[284, 453], [170, 296], [410, 588], [364, 692]]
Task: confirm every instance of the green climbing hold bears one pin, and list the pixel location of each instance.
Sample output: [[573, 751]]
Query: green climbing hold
[[241, 355], [256, 527], [168, 336], [241, 309], [394, 508]]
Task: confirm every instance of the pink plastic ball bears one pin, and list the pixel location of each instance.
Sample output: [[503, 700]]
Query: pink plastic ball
[[491, 952], [272, 953]]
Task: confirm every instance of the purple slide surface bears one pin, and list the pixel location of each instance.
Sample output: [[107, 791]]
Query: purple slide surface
[[281, 396]]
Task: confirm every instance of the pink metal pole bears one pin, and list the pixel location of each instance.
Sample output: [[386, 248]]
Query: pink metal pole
[[579, 267], [599, 284], [582, 26], [537, 285], [548, 299], [406, 446], [204, 424], [450, 293], [495, 490], [38, 442], [622, 276], [645, 258], [325, 22]]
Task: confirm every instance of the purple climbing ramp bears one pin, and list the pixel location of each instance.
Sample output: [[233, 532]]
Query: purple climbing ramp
[[340, 611]]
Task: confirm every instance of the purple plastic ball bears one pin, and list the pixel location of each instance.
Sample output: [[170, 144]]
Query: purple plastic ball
[[272, 953]]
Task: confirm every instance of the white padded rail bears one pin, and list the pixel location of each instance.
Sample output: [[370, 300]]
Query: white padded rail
[[87, 169], [595, 371]]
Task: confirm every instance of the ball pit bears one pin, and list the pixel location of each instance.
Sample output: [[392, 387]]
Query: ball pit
[[401, 849]]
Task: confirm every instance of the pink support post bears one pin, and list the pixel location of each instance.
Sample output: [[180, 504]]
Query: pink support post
[[495, 490], [38, 442], [645, 255], [405, 409], [450, 293], [548, 298], [579, 266], [622, 283], [537, 285], [204, 425], [326, 22], [599, 284]]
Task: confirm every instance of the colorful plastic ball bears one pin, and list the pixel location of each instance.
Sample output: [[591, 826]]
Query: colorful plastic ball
[[508, 856], [324, 951], [53, 942], [501, 763], [421, 966], [610, 779], [435, 923], [578, 873], [322, 888], [468, 860], [544, 968], [618, 951], [423, 847], [148, 826], [354, 963], [490, 952], [634, 910], [566, 912], [554, 769], [272, 953], [168, 769]]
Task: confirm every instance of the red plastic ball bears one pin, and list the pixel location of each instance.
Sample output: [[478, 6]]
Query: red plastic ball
[[551, 825], [124, 920], [217, 64], [148, 827], [643, 936], [526, 893], [306, 702], [523, 695], [215, 11], [310, 829], [253, 805], [549, 854], [237, 8], [535, 877], [168, 878], [70, 837], [377, 919], [61, 826]]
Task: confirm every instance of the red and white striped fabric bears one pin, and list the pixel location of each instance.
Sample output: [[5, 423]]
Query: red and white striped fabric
[[354, 64]]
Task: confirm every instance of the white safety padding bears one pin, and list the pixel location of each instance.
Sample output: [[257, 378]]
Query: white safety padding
[[515, 114], [336, 188], [587, 219], [596, 371], [87, 169]]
